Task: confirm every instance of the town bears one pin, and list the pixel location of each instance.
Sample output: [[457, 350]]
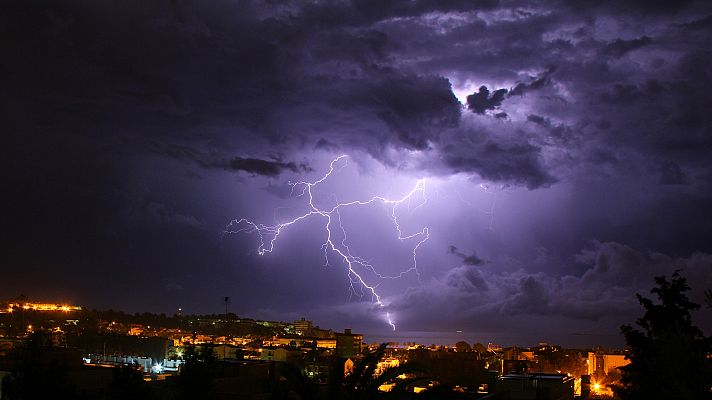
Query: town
[[68, 351]]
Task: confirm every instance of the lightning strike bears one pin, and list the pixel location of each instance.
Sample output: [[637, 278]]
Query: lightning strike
[[493, 204], [333, 226], [487, 190]]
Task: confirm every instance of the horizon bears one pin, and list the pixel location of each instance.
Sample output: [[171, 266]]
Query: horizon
[[568, 340]]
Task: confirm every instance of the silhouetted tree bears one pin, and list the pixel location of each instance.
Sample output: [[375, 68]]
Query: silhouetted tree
[[38, 373], [128, 384], [669, 356], [196, 377], [293, 384], [363, 382], [462, 347], [479, 347]]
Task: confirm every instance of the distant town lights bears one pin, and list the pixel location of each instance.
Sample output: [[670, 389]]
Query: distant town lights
[[44, 307]]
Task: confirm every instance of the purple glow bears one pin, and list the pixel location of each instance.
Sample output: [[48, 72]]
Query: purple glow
[[509, 164], [341, 248]]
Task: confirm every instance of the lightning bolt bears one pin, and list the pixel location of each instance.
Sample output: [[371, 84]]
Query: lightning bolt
[[486, 189], [491, 212], [333, 227]]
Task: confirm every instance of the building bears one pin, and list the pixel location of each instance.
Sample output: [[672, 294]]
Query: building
[[136, 330], [227, 351], [303, 341], [348, 344], [317, 366], [604, 364], [516, 353], [451, 368], [536, 386], [282, 354], [101, 359], [519, 361], [302, 327]]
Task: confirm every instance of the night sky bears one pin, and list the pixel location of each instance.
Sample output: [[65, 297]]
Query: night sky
[[566, 152]]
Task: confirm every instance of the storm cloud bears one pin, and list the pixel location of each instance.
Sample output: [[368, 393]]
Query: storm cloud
[[264, 167], [603, 295], [567, 148]]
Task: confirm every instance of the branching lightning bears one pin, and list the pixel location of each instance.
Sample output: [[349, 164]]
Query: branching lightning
[[491, 212], [333, 227]]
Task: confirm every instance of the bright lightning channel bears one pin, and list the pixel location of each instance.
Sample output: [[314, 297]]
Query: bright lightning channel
[[268, 234]]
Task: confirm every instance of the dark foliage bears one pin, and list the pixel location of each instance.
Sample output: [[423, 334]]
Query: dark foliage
[[363, 381], [39, 372], [293, 384], [196, 378], [463, 347], [128, 384], [670, 357]]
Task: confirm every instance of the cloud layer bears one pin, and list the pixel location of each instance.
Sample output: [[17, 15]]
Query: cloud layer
[[134, 132]]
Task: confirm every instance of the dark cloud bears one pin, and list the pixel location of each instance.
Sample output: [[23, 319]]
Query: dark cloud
[[602, 294], [483, 100], [701, 23], [176, 151], [530, 298], [256, 166], [556, 133], [535, 84], [264, 167], [125, 126], [620, 94], [337, 79], [366, 12], [466, 279], [416, 108], [467, 259], [620, 47], [539, 120], [671, 174], [641, 7], [325, 145], [518, 163]]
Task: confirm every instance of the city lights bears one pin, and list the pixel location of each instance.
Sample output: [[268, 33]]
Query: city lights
[[43, 307]]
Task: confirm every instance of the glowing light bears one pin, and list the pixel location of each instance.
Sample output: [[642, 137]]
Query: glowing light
[[45, 307], [601, 389], [333, 227], [386, 387]]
